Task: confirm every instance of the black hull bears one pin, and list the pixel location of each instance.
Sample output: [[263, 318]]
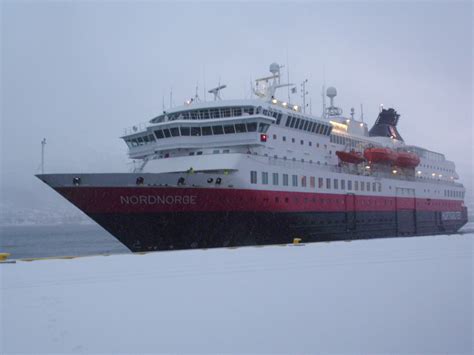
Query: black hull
[[174, 231]]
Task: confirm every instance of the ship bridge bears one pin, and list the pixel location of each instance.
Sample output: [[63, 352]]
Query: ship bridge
[[225, 125]]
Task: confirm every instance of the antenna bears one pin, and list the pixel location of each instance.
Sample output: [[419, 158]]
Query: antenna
[[324, 101], [43, 143], [288, 74], [304, 93], [216, 92], [362, 112], [171, 97]]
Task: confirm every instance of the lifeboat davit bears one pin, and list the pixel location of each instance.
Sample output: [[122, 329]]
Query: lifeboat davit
[[352, 157], [407, 160], [381, 155]]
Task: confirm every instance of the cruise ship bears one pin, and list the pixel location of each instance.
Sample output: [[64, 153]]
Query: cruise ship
[[262, 171]]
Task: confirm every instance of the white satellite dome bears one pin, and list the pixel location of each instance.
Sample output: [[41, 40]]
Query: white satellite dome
[[331, 92], [274, 68]]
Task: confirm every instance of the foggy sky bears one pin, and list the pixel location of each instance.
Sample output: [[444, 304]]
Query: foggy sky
[[78, 73]]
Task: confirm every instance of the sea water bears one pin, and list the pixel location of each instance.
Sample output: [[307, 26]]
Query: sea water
[[37, 241]]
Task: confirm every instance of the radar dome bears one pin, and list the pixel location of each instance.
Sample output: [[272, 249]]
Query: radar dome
[[274, 68], [331, 92]]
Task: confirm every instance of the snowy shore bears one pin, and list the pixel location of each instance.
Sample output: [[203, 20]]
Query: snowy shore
[[396, 295]]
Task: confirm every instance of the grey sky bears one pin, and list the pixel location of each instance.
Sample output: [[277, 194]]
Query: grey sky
[[78, 73]]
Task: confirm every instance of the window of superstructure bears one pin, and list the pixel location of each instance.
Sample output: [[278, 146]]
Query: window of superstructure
[[206, 131], [368, 186], [293, 122], [226, 112], [263, 127], [204, 114], [328, 183], [297, 124], [252, 126], [275, 178], [214, 112], [193, 115], [292, 140], [264, 178], [284, 139], [195, 131], [288, 121], [303, 181], [185, 131], [301, 142], [294, 179], [237, 111], [167, 132], [285, 179], [349, 185], [336, 184], [343, 184], [217, 130], [174, 131], [374, 186], [312, 182], [310, 143], [229, 129], [159, 134], [362, 186], [301, 124], [240, 128], [248, 110], [253, 177], [356, 185], [320, 182]]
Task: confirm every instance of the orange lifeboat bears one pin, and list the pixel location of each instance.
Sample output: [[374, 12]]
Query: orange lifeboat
[[381, 155], [407, 160], [352, 157]]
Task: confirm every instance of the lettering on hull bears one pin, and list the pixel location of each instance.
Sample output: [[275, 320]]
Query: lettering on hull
[[158, 200]]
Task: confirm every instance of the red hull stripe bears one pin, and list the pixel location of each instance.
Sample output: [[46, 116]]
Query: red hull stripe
[[168, 199]]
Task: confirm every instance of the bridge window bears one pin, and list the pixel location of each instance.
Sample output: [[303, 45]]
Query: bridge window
[[217, 130], [356, 185], [206, 131], [349, 185], [303, 181], [343, 184], [312, 182], [320, 183], [328, 183], [264, 178], [185, 131], [240, 128], [263, 127], [174, 131], [167, 133], [195, 131], [229, 129], [336, 184], [159, 134], [285, 179], [252, 127]]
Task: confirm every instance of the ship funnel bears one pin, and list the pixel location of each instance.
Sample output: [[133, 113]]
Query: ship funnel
[[386, 125]]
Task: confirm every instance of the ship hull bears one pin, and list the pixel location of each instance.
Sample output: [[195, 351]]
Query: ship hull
[[172, 218], [175, 231]]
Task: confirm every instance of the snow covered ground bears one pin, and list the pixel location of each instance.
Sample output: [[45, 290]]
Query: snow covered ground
[[402, 295]]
